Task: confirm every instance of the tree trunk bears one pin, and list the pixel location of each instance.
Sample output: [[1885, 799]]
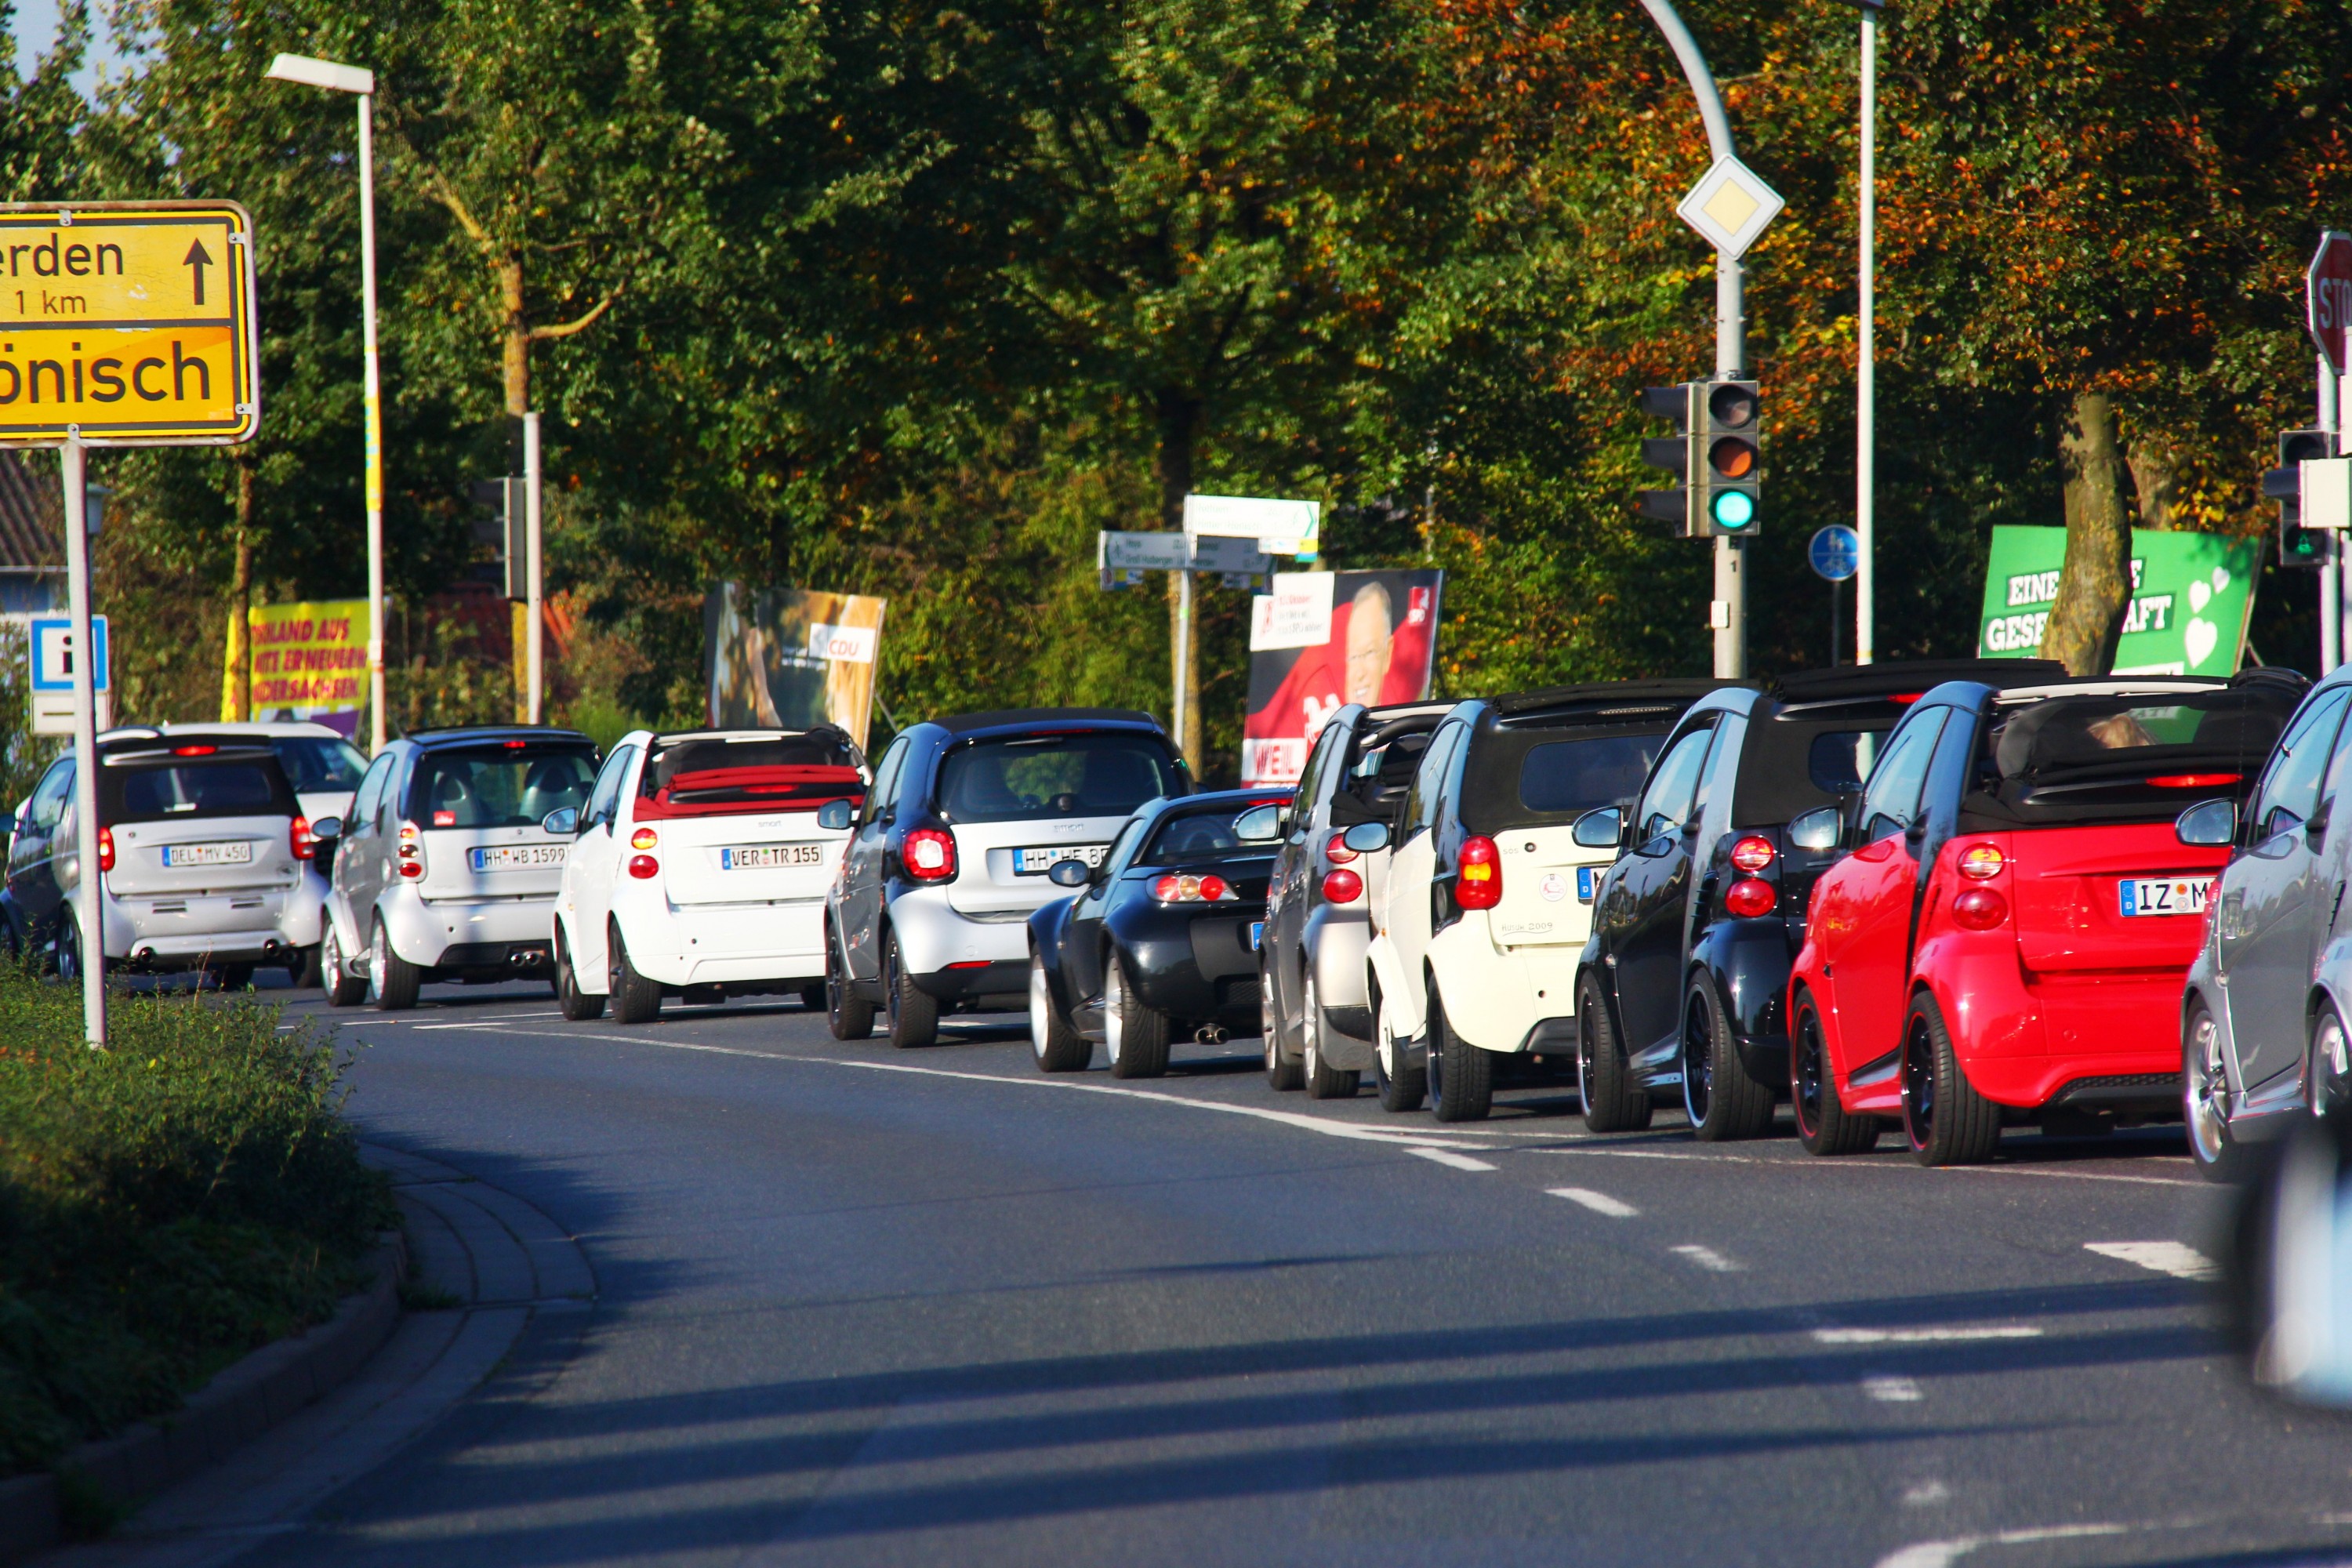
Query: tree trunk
[[2154, 484], [237, 678], [2094, 585], [1179, 428]]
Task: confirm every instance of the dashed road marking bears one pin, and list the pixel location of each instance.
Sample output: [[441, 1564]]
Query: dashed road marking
[[1892, 1390], [2173, 1257], [1599, 1203], [1706, 1257], [1925, 1494], [1448, 1157], [1959, 1333], [1944, 1553]]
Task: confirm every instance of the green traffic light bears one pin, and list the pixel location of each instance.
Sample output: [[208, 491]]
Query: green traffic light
[[1734, 510]]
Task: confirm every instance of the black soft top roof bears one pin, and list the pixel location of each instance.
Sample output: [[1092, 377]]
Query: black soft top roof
[[1029, 717], [1602, 702], [1912, 675], [475, 734]]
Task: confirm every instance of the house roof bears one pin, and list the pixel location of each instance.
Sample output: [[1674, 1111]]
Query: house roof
[[31, 537]]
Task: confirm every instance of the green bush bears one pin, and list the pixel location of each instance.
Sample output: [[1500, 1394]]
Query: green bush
[[165, 1205]]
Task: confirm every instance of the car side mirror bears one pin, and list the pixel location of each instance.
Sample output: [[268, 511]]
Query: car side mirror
[[563, 821], [2208, 824], [326, 827], [1601, 829], [1259, 825], [1817, 829], [1070, 874], [834, 815], [1366, 836]]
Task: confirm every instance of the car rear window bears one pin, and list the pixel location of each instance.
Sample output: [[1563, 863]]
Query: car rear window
[[1561, 776], [176, 789], [726, 776], [499, 786], [1790, 763], [1028, 777], [1205, 835], [315, 764], [2141, 757]]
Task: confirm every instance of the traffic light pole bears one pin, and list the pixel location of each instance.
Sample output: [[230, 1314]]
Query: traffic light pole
[[1728, 613]]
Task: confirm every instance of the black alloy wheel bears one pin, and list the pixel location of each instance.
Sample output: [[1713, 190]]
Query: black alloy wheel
[[1946, 1120], [1823, 1124], [1461, 1076], [1722, 1101], [1613, 1101]]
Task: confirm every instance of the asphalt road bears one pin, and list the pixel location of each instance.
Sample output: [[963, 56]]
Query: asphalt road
[[857, 1305]]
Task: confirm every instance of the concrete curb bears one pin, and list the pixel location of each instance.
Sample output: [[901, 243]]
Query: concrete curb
[[235, 1407]]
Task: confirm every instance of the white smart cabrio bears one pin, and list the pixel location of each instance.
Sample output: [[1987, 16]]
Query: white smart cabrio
[[701, 867]]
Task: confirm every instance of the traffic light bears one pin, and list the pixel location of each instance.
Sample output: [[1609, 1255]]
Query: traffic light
[[1671, 453], [2298, 545], [507, 527], [1726, 459]]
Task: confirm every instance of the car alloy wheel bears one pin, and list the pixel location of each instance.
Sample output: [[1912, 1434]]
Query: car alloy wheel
[[2331, 1063], [1698, 1062], [2205, 1090], [1114, 1012]]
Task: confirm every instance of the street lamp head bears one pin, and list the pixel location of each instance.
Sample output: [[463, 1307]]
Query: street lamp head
[[302, 69]]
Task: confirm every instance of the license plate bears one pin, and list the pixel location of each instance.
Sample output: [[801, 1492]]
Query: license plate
[[2165, 895], [1257, 930], [767, 856], [238, 854], [516, 856], [1037, 862]]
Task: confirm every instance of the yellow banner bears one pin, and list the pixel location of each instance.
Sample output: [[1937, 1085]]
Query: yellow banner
[[307, 661]]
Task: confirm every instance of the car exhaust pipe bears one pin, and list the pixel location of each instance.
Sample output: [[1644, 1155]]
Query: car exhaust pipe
[[525, 959], [1209, 1035], [142, 957]]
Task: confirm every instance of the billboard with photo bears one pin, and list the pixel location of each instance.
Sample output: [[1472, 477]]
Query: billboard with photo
[[1324, 639], [791, 658]]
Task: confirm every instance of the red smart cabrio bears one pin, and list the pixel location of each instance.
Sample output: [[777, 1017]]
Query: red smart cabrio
[[2007, 939]]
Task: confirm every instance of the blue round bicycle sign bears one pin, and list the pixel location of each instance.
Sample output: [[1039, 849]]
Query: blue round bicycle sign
[[1835, 553]]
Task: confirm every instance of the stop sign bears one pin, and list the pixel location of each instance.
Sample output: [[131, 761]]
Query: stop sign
[[2327, 296]]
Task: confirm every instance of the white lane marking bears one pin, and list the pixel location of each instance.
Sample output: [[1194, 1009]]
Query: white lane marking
[[498, 1022], [1925, 1494], [1599, 1203], [1944, 1553], [1664, 1154], [1958, 1333], [1447, 1157], [1880, 1165], [2171, 1258], [1892, 1390], [1706, 1257]]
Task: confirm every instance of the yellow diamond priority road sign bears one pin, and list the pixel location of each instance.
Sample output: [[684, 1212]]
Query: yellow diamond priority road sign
[[127, 323]]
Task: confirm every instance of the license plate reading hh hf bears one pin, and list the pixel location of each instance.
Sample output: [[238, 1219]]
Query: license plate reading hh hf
[[2165, 895], [239, 854], [766, 856], [516, 856], [1037, 862]]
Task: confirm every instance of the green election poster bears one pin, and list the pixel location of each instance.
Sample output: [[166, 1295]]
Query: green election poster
[[2192, 595]]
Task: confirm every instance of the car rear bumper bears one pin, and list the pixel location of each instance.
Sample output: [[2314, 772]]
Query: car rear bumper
[[1497, 997], [2106, 1040], [259, 926], [932, 936], [1336, 940], [721, 944], [452, 934]]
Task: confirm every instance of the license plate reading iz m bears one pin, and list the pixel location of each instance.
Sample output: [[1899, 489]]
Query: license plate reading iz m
[[766, 856], [516, 856], [239, 854], [1037, 862], [2165, 895]]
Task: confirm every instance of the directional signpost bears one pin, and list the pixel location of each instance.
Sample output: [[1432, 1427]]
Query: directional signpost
[[1835, 553], [121, 324]]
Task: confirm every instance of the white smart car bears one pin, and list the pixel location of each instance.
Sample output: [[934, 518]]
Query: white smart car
[[701, 867]]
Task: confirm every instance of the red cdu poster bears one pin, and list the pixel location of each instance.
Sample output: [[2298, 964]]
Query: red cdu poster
[[1324, 639]]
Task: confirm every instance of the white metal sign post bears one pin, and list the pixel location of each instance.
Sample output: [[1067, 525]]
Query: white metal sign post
[[163, 293], [2328, 311]]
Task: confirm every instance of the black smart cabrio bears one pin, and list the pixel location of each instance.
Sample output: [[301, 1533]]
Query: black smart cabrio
[[1160, 939]]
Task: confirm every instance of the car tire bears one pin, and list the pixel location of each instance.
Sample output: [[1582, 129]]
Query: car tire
[[2327, 1073], [1402, 1087], [392, 982], [1824, 1126], [636, 999], [1613, 1103], [1461, 1076], [342, 987], [1324, 1082], [1136, 1034], [235, 976], [1724, 1104], [813, 996], [302, 969], [914, 1013], [1283, 1072], [1058, 1047], [847, 1015], [576, 1005], [1946, 1120]]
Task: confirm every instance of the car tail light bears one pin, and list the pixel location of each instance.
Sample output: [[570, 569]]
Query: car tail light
[[1336, 849], [1982, 862], [2196, 781], [1753, 853], [412, 869], [300, 839], [929, 855], [1478, 876], [1750, 897], [1979, 909], [644, 838], [411, 850], [106, 850], [194, 751], [1209, 889], [643, 866], [1341, 885]]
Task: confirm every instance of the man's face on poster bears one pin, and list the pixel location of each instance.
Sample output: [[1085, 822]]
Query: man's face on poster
[[1369, 629]]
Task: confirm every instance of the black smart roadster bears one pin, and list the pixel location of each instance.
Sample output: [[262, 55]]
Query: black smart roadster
[[1160, 942]]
